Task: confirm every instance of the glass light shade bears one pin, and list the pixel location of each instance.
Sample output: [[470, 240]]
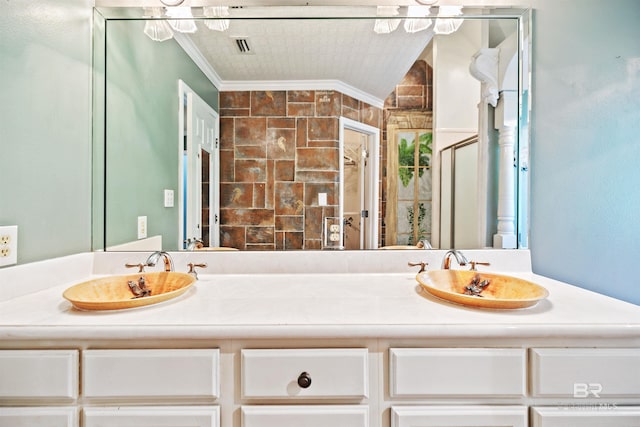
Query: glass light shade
[[448, 25], [414, 23], [216, 12], [158, 30], [386, 26], [181, 23]]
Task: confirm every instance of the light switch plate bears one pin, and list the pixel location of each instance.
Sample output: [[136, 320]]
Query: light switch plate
[[168, 198]]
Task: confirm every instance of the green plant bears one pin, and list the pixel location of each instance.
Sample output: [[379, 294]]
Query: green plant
[[422, 212], [406, 156]]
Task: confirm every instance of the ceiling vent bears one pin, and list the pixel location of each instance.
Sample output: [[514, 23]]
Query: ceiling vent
[[242, 44]]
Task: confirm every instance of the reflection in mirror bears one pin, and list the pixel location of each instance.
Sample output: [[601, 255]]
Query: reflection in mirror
[[310, 119]]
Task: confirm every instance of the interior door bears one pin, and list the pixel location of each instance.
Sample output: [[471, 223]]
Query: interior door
[[359, 170], [201, 216]]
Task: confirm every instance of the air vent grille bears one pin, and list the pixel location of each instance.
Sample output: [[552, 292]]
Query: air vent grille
[[243, 45]]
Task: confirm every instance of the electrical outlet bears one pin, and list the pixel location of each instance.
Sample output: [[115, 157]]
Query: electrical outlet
[[8, 245], [142, 227]]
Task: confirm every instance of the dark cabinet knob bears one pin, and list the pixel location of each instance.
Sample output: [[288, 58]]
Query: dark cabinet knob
[[304, 380]]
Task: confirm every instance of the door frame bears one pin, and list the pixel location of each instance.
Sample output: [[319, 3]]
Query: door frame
[[373, 137], [185, 91]]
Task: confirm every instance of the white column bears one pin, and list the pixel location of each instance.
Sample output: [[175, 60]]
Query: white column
[[505, 238]]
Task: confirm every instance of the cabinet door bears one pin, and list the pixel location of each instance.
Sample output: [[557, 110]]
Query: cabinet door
[[587, 416], [33, 374], [163, 373], [460, 372], [39, 417], [459, 416], [585, 372], [307, 416], [152, 416]]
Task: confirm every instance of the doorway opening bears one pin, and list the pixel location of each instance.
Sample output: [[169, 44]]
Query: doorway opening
[[359, 175], [199, 171]]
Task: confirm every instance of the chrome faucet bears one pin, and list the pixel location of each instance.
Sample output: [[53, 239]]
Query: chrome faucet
[[460, 259], [192, 244], [154, 257], [424, 244]]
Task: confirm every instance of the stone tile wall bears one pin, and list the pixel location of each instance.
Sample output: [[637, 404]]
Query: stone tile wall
[[278, 150], [413, 93]]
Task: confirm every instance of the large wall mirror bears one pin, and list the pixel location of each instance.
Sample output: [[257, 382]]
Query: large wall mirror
[[310, 127]]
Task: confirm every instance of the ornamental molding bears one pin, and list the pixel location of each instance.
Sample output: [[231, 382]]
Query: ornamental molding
[[484, 67]]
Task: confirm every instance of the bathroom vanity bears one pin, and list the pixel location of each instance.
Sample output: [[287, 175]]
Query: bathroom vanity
[[286, 339]]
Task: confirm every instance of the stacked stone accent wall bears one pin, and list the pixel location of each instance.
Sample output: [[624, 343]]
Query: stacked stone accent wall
[[278, 150]]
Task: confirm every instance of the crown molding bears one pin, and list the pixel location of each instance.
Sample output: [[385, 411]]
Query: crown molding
[[228, 85], [194, 53]]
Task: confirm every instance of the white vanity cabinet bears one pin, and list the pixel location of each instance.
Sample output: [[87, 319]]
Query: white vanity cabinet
[[582, 373], [305, 415], [457, 372], [39, 417], [129, 380], [151, 374], [466, 375], [333, 373], [327, 380], [586, 416], [459, 416], [33, 381], [152, 416], [45, 375]]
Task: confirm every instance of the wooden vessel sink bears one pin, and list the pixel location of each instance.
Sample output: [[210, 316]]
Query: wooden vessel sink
[[490, 291], [115, 293]]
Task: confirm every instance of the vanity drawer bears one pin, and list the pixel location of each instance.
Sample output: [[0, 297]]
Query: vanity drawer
[[585, 372], [26, 416], [459, 415], [152, 416], [305, 373], [307, 416], [586, 416], [460, 372], [185, 373], [31, 374]]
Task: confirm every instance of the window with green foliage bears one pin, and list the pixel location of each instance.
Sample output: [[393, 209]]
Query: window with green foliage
[[414, 192]]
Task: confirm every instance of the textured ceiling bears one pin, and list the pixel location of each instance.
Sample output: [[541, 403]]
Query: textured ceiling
[[344, 50]]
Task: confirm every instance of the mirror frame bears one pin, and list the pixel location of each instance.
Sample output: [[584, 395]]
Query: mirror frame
[[103, 14]]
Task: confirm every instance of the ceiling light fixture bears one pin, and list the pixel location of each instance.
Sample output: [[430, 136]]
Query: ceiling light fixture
[[216, 12], [416, 19], [156, 29], [386, 26], [448, 25], [183, 19], [172, 3]]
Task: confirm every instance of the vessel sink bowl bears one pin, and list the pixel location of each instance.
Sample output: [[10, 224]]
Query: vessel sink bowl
[[114, 292], [501, 292]]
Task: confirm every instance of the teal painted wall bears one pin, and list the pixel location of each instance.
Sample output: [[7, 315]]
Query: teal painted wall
[[585, 166], [45, 125], [142, 130]]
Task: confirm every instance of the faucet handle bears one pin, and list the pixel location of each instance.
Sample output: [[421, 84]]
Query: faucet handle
[[474, 263], [422, 264], [192, 268], [139, 266]]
